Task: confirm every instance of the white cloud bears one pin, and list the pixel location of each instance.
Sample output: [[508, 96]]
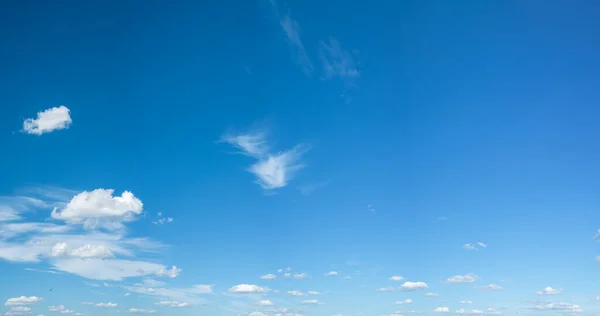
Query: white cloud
[[187, 295], [396, 278], [162, 220], [173, 304], [279, 270], [269, 276], [441, 310], [109, 269], [260, 314], [406, 301], [247, 288], [387, 289], [83, 252], [310, 302], [299, 55], [98, 208], [412, 286], [171, 273], [467, 278], [470, 247], [265, 303], [466, 302], [313, 293], [287, 275], [300, 276], [597, 236], [431, 294], [338, 62], [331, 273], [19, 310], [562, 306], [141, 311], [469, 312], [109, 304], [493, 312], [273, 170], [482, 245], [61, 309], [22, 300], [52, 119], [550, 291], [295, 293], [491, 287]]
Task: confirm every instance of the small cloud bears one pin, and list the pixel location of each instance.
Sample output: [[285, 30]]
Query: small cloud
[[300, 276], [142, 311], [173, 304], [413, 286], [171, 273], [469, 247], [22, 300], [311, 302], [338, 63], [441, 219], [370, 208], [109, 304], [387, 289], [468, 278], [396, 278], [313, 293], [265, 303], [491, 287], [331, 273], [441, 310], [482, 245], [299, 54], [160, 220], [466, 302], [308, 189], [279, 270], [52, 119], [269, 276], [295, 293], [404, 302], [431, 294], [287, 275], [247, 288], [550, 291]]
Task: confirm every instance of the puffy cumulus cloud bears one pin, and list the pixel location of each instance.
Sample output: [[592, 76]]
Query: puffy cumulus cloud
[[491, 287], [109, 304], [431, 294], [49, 120], [406, 301], [173, 304], [18, 310], [311, 302], [99, 208], [331, 273], [396, 278], [413, 286], [83, 252], [22, 300], [269, 276], [467, 278], [108, 269], [171, 273], [441, 310], [468, 312], [141, 311], [273, 170], [300, 276], [265, 303], [550, 291], [247, 288]]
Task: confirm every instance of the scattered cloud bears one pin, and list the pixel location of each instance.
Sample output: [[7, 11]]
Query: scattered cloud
[[311, 302], [468, 312], [466, 302], [441, 310], [300, 276], [370, 208], [482, 245], [295, 293], [142, 311], [338, 62], [160, 220], [396, 278], [406, 301], [467, 278], [173, 304], [269, 276], [597, 236], [22, 300], [299, 54], [413, 286], [247, 288], [567, 308], [109, 304], [550, 291], [61, 309], [431, 294], [265, 303], [491, 287], [308, 189], [469, 247], [331, 273], [49, 120]]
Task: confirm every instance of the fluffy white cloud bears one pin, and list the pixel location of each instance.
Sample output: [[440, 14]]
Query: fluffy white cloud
[[406, 301], [491, 287], [469, 312], [313, 293], [549, 291], [142, 311], [441, 310], [431, 294], [18, 310], [49, 120], [83, 252], [468, 278], [265, 303], [295, 293], [109, 304], [22, 300], [413, 286], [61, 309], [482, 245], [171, 273], [173, 304], [396, 278], [300, 276], [247, 288], [269, 276], [469, 247], [466, 302], [331, 273], [99, 208], [562, 306], [311, 302]]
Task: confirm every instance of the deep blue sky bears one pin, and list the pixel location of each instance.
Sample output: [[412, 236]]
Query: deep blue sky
[[456, 122]]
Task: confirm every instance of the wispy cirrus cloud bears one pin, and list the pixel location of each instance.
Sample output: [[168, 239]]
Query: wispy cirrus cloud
[[273, 170]]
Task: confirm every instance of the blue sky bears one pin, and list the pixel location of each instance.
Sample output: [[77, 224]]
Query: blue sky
[[300, 158]]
